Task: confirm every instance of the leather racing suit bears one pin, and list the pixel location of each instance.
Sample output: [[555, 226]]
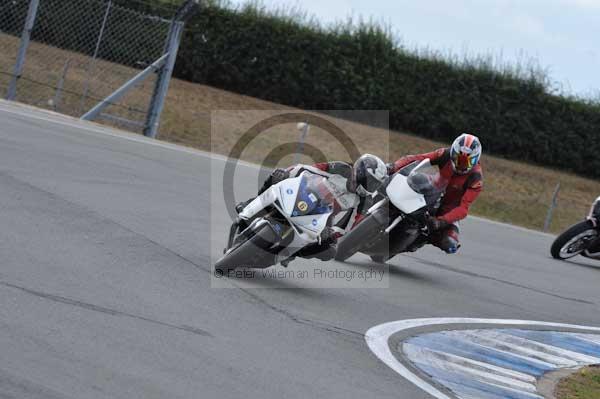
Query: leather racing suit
[[461, 192]]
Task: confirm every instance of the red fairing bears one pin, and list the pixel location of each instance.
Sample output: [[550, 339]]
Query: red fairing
[[462, 190]]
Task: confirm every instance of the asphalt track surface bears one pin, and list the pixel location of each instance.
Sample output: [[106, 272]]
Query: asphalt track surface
[[106, 242]]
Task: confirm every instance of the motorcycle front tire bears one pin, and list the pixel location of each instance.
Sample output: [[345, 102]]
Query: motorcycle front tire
[[250, 253], [566, 236], [352, 242]]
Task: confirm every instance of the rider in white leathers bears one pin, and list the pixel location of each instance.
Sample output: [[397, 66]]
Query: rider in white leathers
[[352, 185]]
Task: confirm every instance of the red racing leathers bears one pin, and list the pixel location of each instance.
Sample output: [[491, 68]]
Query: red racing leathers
[[461, 192]]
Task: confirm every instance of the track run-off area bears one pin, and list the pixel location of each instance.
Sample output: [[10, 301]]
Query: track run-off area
[[107, 240]]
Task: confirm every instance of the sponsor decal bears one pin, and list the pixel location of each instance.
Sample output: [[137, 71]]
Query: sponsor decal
[[302, 206]]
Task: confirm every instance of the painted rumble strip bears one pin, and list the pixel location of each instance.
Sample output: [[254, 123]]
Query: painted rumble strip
[[485, 363]]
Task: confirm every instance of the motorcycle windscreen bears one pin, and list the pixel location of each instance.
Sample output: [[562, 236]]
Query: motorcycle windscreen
[[403, 196], [422, 187], [314, 196]]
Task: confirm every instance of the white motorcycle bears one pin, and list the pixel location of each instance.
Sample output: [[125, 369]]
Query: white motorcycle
[[398, 222], [287, 217]]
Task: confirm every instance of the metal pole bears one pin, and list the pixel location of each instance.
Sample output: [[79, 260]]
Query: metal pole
[[94, 112], [303, 127], [552, 207], [157, 103], [92, 65], [60, 86], [25, 37]]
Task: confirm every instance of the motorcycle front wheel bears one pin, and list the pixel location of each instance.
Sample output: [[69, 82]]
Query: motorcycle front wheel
[[352, 242], [379, 258], [252, 253], [574, 241]]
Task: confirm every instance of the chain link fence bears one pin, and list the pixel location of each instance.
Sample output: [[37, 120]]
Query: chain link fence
[[81, 52], [12, 21]]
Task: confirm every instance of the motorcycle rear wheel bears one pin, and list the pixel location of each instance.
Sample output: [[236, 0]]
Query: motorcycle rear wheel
[[573, 241]]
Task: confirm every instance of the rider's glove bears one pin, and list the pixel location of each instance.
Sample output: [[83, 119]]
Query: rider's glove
[[279, 175], [435, 224], [329, 236], [390, 167]]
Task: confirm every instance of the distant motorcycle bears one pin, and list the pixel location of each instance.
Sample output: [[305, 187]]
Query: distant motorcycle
[[582, 238], [398, 221]]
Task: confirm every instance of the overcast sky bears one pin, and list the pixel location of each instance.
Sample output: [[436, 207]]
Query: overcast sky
[[562, 35]]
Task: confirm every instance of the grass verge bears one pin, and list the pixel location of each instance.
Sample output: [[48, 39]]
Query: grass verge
[[514, 192], [584, 384]]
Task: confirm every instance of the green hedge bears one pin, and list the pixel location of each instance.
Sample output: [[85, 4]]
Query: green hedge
[[303, 65]]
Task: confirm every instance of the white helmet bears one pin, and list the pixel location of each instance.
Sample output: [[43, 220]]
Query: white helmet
[[368, 173]]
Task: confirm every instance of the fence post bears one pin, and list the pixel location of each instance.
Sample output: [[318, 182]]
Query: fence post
[[92, 65], [551, 208], [303, 127], [157, 103], [61, 85], [120, 92], [25, 37]]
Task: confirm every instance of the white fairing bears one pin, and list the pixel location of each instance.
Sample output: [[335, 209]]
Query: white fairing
[[287, 190], [284, 191], [308, 228], [591, 214], [313, 223], [258, 204], [402, 196]]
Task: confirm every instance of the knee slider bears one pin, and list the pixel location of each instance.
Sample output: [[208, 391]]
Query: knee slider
[[449, 245]]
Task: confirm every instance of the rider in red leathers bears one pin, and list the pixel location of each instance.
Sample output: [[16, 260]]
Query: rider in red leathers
[[459, 165]]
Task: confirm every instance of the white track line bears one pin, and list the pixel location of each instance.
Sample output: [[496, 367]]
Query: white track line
[[483, 373], [477, 364], [377, 339], [530, 355], [589, 338], [540, 347]]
